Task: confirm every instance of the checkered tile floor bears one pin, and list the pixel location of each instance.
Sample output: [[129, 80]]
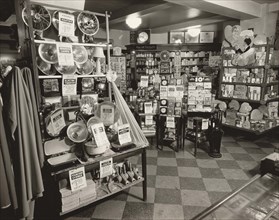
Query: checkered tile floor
[[180, 185]]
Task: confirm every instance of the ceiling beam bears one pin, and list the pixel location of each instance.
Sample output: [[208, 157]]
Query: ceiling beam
[[194, 22], [273, 7], [245, 9], [140, 9]]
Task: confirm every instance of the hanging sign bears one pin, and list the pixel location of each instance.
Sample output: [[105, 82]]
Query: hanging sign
[[170, 123], [100, 137], [106, 167], [69, 85], [65, 54], [66, 24], [77, 179], [124, 135], [58, 121]]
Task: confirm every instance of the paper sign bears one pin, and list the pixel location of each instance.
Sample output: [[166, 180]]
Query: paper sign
[[148, 120], [100, 135], [179, 91], [105, 168], [65, 54], [148, 109], [170, 122], [163, 91], [77, 179], [69, 85], [66, 24], [171, 91], [57, 121], [144, 81], [107, 114], [124, 135]]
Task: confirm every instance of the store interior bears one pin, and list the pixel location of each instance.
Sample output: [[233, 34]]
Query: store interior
[[137, 109]]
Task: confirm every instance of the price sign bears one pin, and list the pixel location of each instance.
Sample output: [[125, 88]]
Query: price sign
[[99, 134], [65, 54], [77, 179], [144, 81], [57, 121], [66, 24], [105, 168], [170, 122], [124, 135], [69, 85]]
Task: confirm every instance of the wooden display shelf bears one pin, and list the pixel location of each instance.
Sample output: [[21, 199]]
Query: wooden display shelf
[[257, 132], [195, 65], [194, 57], [242, 83], [244, 67], [72, 43], [102, 197], [242, 100]]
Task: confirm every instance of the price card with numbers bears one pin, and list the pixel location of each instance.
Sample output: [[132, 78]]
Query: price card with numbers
[[66, 24], [106, 167], [65, 54], [77, 178], [69, 85]]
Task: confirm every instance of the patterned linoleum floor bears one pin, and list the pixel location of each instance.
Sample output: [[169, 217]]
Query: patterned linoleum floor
[[180, 185]]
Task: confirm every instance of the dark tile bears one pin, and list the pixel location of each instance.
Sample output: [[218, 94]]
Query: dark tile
[[121, 196], [211, 173], [202, 155], [191, 183], [181, 162], [228, 164], [235, 184], [135, 210], [192, 211], [151, 181], [151, 160], [86, 212], [167, 171], [231, 144], [216, 196], [264, 144], [253, 150], [168, 196], [245, 157], [169, 154]]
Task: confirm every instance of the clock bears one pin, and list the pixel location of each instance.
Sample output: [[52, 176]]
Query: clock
[[143, 37]]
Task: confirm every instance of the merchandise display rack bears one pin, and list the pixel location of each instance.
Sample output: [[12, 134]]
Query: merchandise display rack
[[57, 172]]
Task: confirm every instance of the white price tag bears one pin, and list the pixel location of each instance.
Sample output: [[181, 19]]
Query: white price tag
[[77, 178], [124, 135], [65, 54], [66, 24], [69, 85], [148, 120], [105, 168], [58, 121], [170, 122], [148, 109], [171, 91]]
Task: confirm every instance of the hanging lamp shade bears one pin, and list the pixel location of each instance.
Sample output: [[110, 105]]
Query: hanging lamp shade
[[98, 52]]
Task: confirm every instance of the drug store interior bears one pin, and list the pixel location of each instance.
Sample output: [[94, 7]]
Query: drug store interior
[[117, 109]]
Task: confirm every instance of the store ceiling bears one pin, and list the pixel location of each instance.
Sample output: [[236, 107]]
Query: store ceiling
[[168, 15]]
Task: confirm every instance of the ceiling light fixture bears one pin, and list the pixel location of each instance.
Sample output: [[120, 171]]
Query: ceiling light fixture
[[133, 22]]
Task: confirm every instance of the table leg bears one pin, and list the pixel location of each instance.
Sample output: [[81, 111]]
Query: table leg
[[144, 174]]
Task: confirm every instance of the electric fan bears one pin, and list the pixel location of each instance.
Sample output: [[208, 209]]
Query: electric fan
[[88, 23]]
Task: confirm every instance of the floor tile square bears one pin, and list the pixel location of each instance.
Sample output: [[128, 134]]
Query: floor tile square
[[151, 169], [254, 150], [228, 164], [134, 210], [189, 172], [195, 198], [181, 162], [247, 144], [231, 144], [167, 171], [162, 211], [211, 173], [168, 196], [167, 162], [245, 157], [151, 181], [152, 153], [121, 196], [216, 196], [192, 211], [216, 185], [135, 195], [225, 156], [227, 139], [234, 174], [167, 182], [116, 209], [247, 165], [191, 183], [184, 154], [258, 157], [204, 163], [167, 154], [236, 150], [235, 184], [151, 160]]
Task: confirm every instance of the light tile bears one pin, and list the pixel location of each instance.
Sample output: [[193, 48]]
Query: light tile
[[195, 198], [245, 157], [205, 163], [168, 182], [151, 169], [235, 174], [152, 153], [258, 157], [162, 211], [225, 156], [135, 194], [115, 208], [236, 150], [216, 185], [245, 144], [167, 162], [189, 172], [184, 154], [247, 165]]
